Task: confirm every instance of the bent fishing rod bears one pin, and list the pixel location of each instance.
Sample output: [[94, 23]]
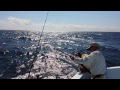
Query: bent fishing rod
[[73, 60], [35, 56]]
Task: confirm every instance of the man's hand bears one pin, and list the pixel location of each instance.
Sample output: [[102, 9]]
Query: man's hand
[[72, 57], [78, 55]]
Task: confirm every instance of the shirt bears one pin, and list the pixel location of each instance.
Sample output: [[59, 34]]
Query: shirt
[[95, 62]]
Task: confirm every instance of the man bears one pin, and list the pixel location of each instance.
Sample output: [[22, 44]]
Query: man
[[95, 61]]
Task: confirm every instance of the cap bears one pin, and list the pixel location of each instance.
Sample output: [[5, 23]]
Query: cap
[[93, 44]]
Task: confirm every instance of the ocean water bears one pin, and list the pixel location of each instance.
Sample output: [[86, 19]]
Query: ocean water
[[18, 47]]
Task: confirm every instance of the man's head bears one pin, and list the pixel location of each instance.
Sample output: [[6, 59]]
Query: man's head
[[93, 47]]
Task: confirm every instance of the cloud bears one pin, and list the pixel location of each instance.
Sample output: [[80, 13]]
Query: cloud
[[78, 27], [13, 23], [20, 21]]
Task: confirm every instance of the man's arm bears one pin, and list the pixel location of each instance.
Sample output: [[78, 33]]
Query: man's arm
[[87, 60]]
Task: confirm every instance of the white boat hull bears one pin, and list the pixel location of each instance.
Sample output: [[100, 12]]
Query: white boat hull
[[112, 73]]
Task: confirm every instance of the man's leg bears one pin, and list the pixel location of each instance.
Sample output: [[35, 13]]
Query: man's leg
[[86, 75]]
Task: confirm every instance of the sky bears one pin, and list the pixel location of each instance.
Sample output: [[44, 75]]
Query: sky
[[61, 21]]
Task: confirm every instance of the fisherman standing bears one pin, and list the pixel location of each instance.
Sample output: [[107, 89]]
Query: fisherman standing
[[95, 62]]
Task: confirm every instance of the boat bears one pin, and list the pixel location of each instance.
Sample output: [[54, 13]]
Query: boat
[[112, 73]]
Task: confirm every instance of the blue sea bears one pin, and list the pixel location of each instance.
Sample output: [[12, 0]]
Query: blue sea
[[18, 47]]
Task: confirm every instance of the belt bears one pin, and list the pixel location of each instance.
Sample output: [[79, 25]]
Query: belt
[[98, 76]]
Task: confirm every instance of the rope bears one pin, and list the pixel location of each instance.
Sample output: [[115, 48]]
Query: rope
[[35, 58]]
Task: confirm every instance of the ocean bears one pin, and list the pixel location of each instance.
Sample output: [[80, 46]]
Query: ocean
[[18, 47]]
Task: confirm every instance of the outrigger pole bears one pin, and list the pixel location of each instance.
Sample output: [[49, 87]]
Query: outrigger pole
[[35, 56]]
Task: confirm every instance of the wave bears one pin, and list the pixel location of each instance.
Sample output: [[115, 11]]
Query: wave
[[19, 48], [24, 38]]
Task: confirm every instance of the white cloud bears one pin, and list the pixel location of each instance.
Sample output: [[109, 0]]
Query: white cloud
[[13, 23], [20, 21]]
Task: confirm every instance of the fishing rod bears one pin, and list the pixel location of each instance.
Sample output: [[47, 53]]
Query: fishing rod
[[63, 52], [74, 56], [42, 30], [35, 55], [73, 60]]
